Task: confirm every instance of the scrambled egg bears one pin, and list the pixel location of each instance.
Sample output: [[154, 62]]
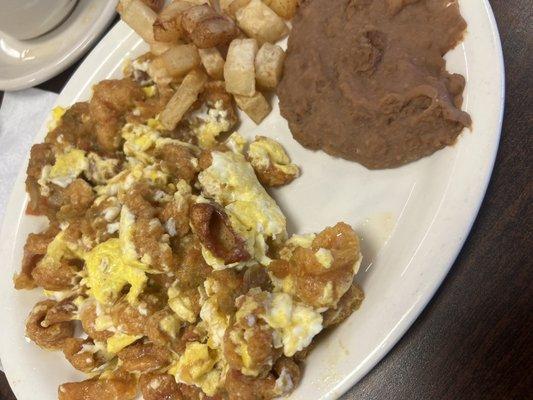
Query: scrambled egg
[[100, 169], [58, 249], [197, 367], [324, 257], [67, 167], [305, 241], [209, 124], [115, 265], [170, 325], [242, 349], [138, 140], [236, 143], [264, 152], [254, 215], [125, 233], [119, 341], [109, 270], [57, 114], [181, 305], [141, 140], [296, 323], [150, 91], [216, 322]]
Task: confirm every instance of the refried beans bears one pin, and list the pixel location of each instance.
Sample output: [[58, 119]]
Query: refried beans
[[365, 80]]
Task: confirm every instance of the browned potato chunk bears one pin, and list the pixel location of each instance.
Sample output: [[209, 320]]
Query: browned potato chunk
[[155, 5], [239, 71], [224, 5], [139, 17], [213, 62], [269, 65], [160, 48], [256, 107], [231, 7], [181, 59], [167, 26], [207, 28], [284, 8], [157, 70], [183, 99], [197, 2], [260, 22]]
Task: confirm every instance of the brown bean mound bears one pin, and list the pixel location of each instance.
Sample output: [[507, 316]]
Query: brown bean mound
[[365, 80]]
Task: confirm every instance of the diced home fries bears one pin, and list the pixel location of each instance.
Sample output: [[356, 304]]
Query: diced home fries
[[284, 8], [181, 59], [232, 6], [167, 27], [239, 70], [155, 5], [269, 65], [163, 243], [258, 21], [139, 16], [256, 107], [213, 62], [186, 94], [206, 28]]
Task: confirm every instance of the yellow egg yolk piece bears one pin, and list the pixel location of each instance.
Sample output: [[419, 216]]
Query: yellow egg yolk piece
[[108, 271]]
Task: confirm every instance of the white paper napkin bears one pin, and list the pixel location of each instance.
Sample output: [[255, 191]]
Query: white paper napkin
[[21, 115]]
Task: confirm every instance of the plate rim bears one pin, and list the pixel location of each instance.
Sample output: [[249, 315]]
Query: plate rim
[[356, 375]]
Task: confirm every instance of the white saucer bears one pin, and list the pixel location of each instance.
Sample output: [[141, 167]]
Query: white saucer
[[27, 63]]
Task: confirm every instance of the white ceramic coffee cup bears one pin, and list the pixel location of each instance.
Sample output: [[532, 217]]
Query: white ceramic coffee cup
[[27, 19]]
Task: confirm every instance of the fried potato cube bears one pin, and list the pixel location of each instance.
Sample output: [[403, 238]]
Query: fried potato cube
[[213, 62], [158, 72], [284, 8], [224, 5], [256, 107], [183, 99], [198, 2], [239, 70], [139, 17], [258, 21], [159, 48], [207, 28], [230, 7], [181, 59], [167, 26], [155, 5], [269, 65]]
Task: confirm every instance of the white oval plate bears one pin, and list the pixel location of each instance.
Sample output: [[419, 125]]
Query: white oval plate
[[413, 220], [25, 63]]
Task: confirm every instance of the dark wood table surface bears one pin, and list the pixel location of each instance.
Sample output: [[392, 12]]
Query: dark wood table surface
[[474, 340]]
